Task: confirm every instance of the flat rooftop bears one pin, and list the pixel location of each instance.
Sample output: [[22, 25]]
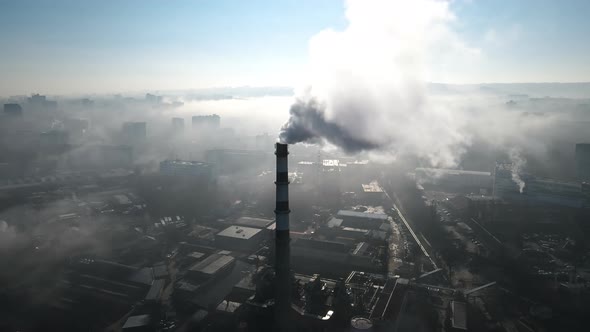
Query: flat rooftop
[[137, 321], [239, 232], [254, 222], [446, 171], [331, 162], [334, 222], [355, 214], [196, 255], [212, 264], [156, 289], [184, 163], [372, 187]]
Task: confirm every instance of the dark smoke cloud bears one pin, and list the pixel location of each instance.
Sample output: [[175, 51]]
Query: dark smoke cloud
[[308, 122]]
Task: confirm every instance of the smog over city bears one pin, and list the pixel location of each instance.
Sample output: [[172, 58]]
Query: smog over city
[[357, 165]]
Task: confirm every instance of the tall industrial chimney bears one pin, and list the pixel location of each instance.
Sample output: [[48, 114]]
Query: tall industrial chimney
[[282, 254]]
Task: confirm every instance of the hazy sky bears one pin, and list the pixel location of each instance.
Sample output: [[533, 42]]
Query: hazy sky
[[64, 46]]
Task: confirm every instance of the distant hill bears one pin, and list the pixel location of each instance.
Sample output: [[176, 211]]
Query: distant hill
[[533, 90]]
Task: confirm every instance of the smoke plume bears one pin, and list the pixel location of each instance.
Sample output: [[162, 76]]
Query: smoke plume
[[307, 123], [518, 163], [367, 89]]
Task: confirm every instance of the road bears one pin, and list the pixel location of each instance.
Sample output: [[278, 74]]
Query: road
[[418, 237]]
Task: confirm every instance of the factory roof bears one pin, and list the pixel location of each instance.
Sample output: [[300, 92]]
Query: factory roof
[[452, 171], [143, 276], [361, 323], [330, 162], [372, 187], [212, 264], [116, 271], [160, 271], [184, 163], [355, 214], [357, 230], [254, 222], [334, 222], [358, 162], [155, 291], [321, 245], [122, 199], [236, 151], [137, 321], [239, 232], [186, 286], [360, 248], [228, 306], [196, 255]]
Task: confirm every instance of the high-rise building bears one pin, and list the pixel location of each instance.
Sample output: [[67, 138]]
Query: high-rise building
[[134, 132], [54, 139], [178, 125], [39, 102], [37, 99], [101, 157], [230, 161], [583, 162], [13, 110], [153, 98], [206, 121], [76, 127], [181, 168]]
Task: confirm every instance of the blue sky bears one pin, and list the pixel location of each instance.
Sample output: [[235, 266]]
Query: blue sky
[[64, 46]]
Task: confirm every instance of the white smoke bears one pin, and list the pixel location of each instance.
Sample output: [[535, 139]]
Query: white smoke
[[518, 163], [367, 88]]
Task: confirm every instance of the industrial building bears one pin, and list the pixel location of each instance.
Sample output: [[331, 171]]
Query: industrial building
[[583, 162], [239, 238], [100, 157], [134, 132], [155, 291], [334, 258], [210, 267], [231, 161], [454, 180], [38, 102], [181, 168], [254, 222], [110, 287], [372, 194], [97, 270], [363, 220], [178, 125], [536, 191], [138, 323], [14, 110], [54, 139], [206, 122], [372, 187]]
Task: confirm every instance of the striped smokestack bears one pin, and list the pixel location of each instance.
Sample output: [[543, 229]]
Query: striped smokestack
[[282, 255]]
